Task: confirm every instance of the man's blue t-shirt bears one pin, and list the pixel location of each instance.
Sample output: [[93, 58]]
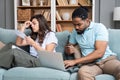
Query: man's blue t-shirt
[[86, 41]]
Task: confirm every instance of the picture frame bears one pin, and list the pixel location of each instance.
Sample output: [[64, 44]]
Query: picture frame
[[25, 2]]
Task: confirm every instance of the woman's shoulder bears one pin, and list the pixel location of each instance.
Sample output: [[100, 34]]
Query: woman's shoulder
[[51, 33]]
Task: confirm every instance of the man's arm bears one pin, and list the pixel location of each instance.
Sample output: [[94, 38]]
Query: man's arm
[[100, 48]]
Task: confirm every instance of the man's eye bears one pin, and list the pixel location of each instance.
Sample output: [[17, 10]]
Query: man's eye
[[79, 24], [74, 24]]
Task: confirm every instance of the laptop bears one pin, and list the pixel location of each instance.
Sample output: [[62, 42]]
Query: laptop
[[51, 60]]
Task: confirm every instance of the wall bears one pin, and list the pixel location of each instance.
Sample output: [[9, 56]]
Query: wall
[[2, 13], [106, 12], [117, 23], [97, 10], [7, 13], [103, 13]]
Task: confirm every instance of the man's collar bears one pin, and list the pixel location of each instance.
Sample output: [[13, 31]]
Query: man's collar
[[90, 26]]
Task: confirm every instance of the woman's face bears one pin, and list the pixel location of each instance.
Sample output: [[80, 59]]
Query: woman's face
[[35, 25]]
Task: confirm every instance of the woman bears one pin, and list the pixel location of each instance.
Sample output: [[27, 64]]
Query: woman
[[40, 39]]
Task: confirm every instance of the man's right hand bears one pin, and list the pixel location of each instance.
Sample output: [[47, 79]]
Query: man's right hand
[[70, 49]]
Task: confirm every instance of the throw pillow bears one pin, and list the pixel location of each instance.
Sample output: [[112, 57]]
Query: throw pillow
[[62, 40]]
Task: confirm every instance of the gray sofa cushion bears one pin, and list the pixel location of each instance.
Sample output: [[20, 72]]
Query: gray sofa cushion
[[62, 40], [8, 35], [114, 40], [99, 77], [38, 73], [104, 77], [2, 73]]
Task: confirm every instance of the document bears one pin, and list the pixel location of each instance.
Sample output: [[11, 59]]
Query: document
[[14, 46], [20, 34]]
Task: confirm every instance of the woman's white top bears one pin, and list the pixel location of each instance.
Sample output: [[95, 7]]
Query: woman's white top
[[49, 38]]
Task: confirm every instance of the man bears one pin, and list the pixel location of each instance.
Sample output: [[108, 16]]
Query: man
[[92, 39]]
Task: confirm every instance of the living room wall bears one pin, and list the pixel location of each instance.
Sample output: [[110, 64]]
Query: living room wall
[[103, 13], [117, 23], [106, 12], [7, 14]]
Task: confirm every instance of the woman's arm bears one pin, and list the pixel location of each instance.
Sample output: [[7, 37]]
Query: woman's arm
[[49, 47], [20, 41]]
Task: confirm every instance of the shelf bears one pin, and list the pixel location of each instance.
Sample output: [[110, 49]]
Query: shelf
[[71, 6], [48, 7], [34, 7], [22, 21], [64, 21], [52, 8]]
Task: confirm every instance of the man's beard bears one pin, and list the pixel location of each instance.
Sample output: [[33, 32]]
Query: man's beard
[[80, 31]]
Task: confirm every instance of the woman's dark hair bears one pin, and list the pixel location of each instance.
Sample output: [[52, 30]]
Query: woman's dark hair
[[43, 28], [81, 12]]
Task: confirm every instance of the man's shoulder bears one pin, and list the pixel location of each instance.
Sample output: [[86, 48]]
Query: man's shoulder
[[98, 26]]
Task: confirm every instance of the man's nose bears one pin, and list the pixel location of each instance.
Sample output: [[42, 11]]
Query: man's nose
[[76, 27]]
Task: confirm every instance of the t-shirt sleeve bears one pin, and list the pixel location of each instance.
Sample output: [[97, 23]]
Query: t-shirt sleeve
[[72, 39], [101, 33], [52, 38]]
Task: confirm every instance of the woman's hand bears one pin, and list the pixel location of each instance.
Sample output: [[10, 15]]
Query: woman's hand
[[25, 25], [29, 40]]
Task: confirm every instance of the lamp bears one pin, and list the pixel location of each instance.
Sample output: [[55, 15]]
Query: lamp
[[116, 14]]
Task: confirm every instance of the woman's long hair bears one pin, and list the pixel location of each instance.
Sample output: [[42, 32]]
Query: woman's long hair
[[43, 28]]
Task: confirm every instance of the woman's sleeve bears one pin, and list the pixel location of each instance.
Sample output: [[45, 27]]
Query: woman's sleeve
[[52, 38]]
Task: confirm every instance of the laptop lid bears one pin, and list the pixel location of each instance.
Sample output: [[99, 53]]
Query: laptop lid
[[51, 60]]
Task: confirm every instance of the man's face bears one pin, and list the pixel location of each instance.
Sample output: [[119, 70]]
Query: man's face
[[80, 25]]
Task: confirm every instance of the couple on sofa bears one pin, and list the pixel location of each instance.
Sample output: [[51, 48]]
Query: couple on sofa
[[91, 37]]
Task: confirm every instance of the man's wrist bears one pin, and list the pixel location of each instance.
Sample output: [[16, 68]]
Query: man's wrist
[[75, 61]]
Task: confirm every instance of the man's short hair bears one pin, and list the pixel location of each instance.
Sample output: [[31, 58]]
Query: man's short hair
[[81, 12]]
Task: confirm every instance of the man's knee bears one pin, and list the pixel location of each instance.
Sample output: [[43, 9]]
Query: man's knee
[[117, 73], [88, 72], [83, 70], [85, 74]]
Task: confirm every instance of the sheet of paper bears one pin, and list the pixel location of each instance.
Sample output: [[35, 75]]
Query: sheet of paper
[[14, 46], [20, 34]]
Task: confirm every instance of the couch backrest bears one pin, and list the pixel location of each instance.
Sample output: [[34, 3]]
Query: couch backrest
[[62, 40], [114, 41], [8, 35]]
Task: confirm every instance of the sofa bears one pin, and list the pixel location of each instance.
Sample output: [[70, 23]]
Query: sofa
[[42, 73]]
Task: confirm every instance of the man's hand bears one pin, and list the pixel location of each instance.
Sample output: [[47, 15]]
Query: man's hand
[[70, 49], [69, 63]]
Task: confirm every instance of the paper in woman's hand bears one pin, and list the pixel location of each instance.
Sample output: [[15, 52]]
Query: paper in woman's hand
[[20, 34]]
